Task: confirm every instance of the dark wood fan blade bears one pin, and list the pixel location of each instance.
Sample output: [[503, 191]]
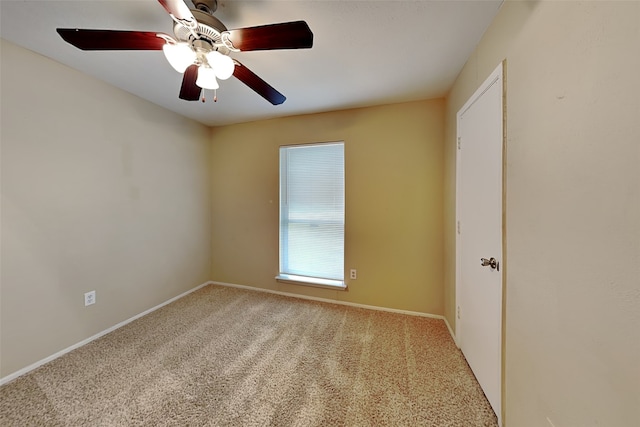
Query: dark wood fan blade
[[261, 87], [287, 35], [180, 12], [190, 91], [112, 39]]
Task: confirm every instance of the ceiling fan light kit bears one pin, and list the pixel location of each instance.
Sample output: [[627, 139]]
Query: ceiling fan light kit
[[207, 78], [179, 55], [222, 64], [201, 48]]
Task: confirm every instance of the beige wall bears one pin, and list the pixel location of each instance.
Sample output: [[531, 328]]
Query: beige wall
[[100, 191], [573, 208], [394, 182]]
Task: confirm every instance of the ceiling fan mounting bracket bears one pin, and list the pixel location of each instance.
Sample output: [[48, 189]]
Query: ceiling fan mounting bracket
[[207, 6]]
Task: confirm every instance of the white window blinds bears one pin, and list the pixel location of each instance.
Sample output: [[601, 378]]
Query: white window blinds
[[312, 211]]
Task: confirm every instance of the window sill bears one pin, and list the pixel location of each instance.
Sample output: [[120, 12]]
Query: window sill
[[337, 285]]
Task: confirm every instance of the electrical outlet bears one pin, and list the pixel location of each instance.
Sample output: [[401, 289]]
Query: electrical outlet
[[353, 274], [89, 298]]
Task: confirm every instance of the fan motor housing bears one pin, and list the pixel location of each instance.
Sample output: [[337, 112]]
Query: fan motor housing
[[209, 29]]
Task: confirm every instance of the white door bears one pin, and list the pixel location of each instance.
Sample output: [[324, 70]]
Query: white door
[[479, 236]]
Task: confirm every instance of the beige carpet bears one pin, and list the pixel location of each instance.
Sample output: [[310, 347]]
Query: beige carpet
[[229, 357]]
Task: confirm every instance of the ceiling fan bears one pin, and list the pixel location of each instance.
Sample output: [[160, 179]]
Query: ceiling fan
[[201, 46]]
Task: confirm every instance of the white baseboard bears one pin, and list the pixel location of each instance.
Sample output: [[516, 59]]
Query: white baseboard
[[351, 304], [48, 359], [331, 301], [453, 335]]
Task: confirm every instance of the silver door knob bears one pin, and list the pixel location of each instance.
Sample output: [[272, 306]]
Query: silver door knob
[[493, 263]]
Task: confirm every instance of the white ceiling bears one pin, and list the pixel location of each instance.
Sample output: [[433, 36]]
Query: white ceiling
[[365, 52]]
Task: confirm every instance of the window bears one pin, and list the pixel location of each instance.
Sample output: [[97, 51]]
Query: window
[[312, 214]]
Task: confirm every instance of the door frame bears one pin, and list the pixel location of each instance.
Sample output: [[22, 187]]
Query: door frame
[[498, 73]]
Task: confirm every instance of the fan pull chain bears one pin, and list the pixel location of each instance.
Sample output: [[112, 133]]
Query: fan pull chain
[[215, 96]]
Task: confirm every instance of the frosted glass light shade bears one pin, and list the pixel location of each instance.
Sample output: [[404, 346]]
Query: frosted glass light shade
[[179, 55], [221, 64], [207, 78]]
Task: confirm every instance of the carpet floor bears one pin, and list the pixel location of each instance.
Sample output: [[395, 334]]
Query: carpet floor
[[229, 357]]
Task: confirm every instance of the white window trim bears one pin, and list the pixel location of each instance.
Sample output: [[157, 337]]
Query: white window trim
[[320, 282], [312, 281]]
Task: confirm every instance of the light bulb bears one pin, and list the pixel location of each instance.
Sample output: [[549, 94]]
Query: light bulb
[[207, 78], [179, 55], [221, 64]]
